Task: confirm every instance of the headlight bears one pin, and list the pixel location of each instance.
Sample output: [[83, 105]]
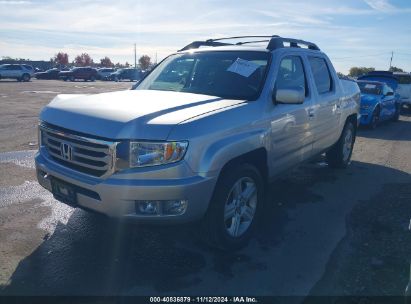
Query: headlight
[[144, 154]]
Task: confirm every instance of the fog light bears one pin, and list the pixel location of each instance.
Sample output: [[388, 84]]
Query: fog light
[[147, 207], [174, 207]]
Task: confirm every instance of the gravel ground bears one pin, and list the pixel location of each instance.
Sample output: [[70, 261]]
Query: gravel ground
[[21, 103]]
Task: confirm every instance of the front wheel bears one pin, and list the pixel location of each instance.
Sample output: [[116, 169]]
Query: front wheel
[[396, 116], [25, 77], [375, 119], [234, 208], [339, 156]]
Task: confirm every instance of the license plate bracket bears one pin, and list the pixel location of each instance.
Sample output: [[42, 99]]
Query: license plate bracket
[[63, 192]]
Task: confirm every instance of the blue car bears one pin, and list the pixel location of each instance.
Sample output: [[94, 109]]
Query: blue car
[[378, 103]]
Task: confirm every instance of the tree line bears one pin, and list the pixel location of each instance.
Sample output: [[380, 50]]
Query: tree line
[[85, 59], [358, 71]]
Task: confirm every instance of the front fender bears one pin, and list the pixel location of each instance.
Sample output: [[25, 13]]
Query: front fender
[[228, 148]]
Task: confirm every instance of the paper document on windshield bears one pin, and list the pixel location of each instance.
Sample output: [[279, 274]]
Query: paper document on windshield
[[243, 67]]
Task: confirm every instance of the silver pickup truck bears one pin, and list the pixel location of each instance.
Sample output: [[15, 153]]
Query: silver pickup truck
[[201, 136]]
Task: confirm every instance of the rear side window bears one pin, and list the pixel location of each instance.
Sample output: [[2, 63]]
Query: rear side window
[[291, 74], [321, 73], [404, 79]]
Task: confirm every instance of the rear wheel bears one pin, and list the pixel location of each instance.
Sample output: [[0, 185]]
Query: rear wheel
[[25, 77], [339, 156], [71, 78], [234, 208], [92, 78]]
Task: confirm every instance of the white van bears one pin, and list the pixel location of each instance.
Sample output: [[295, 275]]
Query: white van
[[404, 88]]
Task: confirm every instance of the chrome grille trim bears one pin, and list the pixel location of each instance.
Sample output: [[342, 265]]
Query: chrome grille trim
[[90, 156]]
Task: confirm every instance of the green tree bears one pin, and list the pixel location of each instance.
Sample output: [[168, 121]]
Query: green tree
[[106, 62], [395, 69], [144, 62], [83, 60], [60, 58], [358, 71]]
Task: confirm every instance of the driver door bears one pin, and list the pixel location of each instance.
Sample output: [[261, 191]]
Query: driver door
[[291, 138]]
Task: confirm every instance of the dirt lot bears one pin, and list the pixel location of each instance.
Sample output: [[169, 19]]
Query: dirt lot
[[326, 232]]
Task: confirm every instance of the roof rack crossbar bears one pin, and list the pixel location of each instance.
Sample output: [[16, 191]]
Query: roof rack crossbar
[[240, 37], [278, 42], [197, 44], [275, 42], [247, 42]]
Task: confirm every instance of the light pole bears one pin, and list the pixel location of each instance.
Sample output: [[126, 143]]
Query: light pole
[[135, 56]]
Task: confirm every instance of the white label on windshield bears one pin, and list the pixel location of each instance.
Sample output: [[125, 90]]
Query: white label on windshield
[[243, 67], [370, 86]]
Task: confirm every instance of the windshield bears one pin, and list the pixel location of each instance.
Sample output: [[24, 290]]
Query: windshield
[[233, 75], [370, 88]]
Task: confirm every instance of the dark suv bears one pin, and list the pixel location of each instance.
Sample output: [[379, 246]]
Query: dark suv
[[85, 73], [125, 74]]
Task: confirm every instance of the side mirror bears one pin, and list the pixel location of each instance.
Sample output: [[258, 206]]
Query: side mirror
[[389, 94], [295, 95]]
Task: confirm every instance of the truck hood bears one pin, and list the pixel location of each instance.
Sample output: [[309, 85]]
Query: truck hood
[[131, 114]]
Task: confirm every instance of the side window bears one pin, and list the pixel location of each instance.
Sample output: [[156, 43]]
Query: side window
[[291, 74], [321, 73], [404, 79], [387, 89]]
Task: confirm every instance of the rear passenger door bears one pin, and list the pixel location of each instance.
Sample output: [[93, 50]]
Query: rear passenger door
[[326, 111]]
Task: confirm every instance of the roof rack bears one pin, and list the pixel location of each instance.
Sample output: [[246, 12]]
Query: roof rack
[[274, 42]]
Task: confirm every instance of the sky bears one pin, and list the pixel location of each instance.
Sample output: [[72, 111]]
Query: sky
[[350, 32]]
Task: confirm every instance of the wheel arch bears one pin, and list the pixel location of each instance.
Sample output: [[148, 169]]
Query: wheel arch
[[257, 158]]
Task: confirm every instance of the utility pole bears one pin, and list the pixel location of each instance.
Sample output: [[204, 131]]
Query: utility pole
[[392, 55], [135, 56]]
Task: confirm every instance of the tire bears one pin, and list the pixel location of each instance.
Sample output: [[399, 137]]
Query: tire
[[234, 208], [92, 78], [375, 119], [396, 116], [71, 78], [25, 77], [339, 156]]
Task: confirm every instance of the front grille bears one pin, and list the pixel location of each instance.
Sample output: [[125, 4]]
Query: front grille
[[91, 156]]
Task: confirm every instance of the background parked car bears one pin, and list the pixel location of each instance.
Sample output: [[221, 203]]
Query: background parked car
[[84, 73], [15, 71], [404, 88], [378, 103], [49, 74], [126, 74], [30, 68], [103, 73]]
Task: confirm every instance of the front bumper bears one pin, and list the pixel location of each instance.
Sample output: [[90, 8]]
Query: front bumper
[[116, 196]]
